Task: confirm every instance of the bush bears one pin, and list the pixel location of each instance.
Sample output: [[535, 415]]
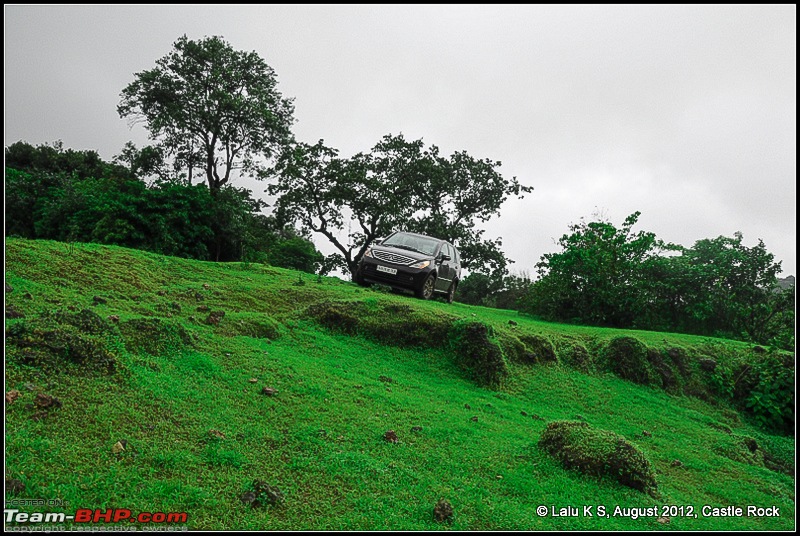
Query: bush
[[599, 453]]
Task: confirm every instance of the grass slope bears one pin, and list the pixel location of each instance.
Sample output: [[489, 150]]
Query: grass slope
[[198, 433]]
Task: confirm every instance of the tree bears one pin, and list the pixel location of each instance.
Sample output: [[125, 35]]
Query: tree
[[597, 278], [399, 185], [211, 107]]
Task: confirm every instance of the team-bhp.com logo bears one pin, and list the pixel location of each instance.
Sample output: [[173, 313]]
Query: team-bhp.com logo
[[87, 515]]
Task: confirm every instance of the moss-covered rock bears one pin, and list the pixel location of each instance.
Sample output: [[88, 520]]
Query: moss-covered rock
[[599, 453], [627, 357], [477, 353], [540, 348]]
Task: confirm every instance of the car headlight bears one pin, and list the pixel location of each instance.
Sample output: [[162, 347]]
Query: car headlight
[[421, 264], [368, 253]]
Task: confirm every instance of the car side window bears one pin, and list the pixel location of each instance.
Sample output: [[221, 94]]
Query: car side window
[[448, 251]]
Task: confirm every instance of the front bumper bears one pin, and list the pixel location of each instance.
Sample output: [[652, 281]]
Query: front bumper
[[408, 278]]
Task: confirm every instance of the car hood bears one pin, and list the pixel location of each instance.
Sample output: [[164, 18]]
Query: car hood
[[405, 252]]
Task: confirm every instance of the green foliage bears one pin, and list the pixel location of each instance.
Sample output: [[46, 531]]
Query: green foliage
[[609, 276], [211, 107], [45, 201], [599, 453], [399, 185], [772, 399]]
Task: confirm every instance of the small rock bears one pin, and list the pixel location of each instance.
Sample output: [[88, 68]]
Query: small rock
[[44, 401], [119, 447], [28, 296], [206, 286], [466, 406], [416, 428], [214, 317], [676, 463], [14, 486], [512, 323], [443, 511], [390, 436], [645, 433], [113, 318], [499, 477], [253, 380], [664, 520], [263, 495], [474, 418], [248, 498], [269, 391], [97, 300], [12, 395]]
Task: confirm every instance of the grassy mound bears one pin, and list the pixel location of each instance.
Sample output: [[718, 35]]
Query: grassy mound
[[599, 453], [61, 341], [154, 336], [478, 354]]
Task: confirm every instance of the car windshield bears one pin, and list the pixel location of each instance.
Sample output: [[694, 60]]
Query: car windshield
[[420, 244]]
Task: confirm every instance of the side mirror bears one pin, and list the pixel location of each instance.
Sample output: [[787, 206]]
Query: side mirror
[[445, 257], [377, 241]]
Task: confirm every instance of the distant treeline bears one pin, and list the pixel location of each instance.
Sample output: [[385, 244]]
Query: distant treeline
[[75, 196], [611, 276]]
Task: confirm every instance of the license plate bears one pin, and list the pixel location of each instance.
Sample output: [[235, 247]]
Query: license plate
[[392, 271]]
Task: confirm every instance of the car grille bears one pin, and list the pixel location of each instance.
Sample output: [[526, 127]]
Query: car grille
[[393, 258]]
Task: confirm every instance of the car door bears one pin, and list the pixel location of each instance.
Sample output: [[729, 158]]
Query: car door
[[446, 270]]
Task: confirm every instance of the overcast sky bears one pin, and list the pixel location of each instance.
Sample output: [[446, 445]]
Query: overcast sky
[[685, 113]]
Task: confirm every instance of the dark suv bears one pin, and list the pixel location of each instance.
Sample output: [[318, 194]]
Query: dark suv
[[412, 261]]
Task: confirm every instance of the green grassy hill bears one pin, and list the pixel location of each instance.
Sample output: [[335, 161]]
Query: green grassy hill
[[127, 387]]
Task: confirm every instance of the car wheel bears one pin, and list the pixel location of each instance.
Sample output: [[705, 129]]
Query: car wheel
[[425, 291], [451, 294], [359, 279]]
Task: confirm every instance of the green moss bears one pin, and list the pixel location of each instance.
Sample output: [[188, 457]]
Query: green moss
[[478, 354], [599, 453], [154, 336], [627, 357]]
